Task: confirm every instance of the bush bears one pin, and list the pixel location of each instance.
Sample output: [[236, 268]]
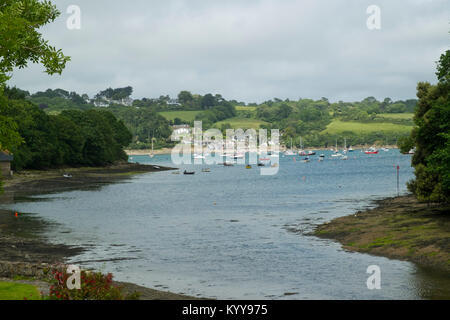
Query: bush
[[94, 286]]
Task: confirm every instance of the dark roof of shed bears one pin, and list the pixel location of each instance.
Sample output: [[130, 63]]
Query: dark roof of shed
[[5, 157]]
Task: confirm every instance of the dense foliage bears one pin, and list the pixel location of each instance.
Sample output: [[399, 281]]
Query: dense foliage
[[75, 138], [216, 110], [20, 43], [93, 286], [432, 137], [304, 118], [145, 124]]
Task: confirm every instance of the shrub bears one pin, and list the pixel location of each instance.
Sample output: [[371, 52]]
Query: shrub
[[94, 286]]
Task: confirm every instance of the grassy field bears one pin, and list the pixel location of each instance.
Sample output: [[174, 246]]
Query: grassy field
[[242, 123], [18, 291], [244, 108], [338, 126], [402, 116], [183, 115]]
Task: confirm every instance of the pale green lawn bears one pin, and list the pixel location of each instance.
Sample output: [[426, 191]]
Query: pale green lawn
[[18, 291], [407, 116], [245, 108], [183, 115], [241, 123], [338, 126]]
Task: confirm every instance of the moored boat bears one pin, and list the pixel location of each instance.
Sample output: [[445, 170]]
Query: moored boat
[[371, 150]]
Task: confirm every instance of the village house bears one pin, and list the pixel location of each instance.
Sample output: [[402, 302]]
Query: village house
[[181, 129], [5, 163]]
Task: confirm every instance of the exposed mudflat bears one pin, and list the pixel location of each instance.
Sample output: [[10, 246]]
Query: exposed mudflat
[[399, 228]]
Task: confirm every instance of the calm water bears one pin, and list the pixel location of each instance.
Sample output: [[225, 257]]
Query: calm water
[[233, 233]]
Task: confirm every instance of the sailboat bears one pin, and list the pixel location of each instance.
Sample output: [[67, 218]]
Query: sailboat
[[302, 152], [289, 152], [336, 152], [151, 155]]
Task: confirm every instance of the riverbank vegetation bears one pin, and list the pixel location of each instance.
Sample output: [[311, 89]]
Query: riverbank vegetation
[[71, 138], [431, 137], [21, 43]]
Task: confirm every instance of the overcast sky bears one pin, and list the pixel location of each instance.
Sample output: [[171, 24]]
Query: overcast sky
[[250, 50]]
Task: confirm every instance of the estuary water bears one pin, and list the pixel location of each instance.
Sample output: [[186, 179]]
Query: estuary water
[[233, 233]]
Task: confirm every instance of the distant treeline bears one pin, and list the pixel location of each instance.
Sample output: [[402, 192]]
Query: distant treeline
[[70, 138], [304, 118]]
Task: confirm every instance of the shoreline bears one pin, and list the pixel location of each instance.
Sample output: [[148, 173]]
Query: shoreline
[[398, 228], [167, 151], [25, 252]]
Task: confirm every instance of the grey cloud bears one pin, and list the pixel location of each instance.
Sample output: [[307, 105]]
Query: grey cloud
[[248, 50]]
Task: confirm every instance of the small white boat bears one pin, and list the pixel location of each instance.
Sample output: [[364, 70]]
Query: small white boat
[[371, 150], [199, 156], [289, 153]]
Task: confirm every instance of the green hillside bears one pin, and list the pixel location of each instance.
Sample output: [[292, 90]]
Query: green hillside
[[338, 126], [186, 116], [241, 123]]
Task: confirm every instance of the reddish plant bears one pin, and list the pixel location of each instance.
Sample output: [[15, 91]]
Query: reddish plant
[[94, 286]]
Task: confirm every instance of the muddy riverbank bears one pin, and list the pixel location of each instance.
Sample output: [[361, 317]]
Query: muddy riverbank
[[398, 228]]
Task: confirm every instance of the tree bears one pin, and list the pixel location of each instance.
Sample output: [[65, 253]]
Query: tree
[[185, 98], [405, 144], [20, 43], [443, 68], [208, 101], [20, 40], [432, 138]]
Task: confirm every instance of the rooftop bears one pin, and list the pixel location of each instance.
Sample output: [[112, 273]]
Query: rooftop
[[6, 157]]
